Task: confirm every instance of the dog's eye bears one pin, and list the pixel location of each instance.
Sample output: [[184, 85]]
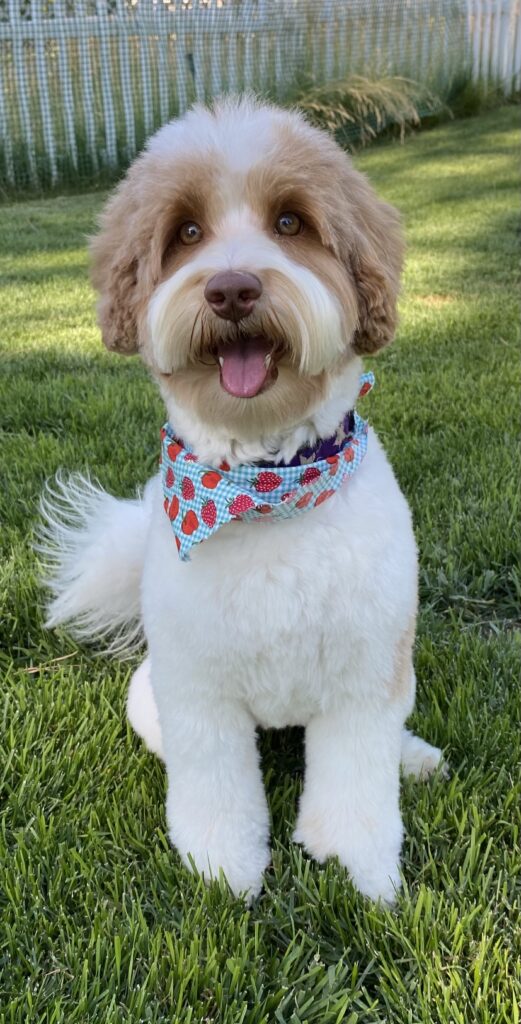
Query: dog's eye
[[288, 224], [190, 233]]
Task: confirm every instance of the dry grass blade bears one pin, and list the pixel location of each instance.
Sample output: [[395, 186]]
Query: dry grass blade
[[366, 106]]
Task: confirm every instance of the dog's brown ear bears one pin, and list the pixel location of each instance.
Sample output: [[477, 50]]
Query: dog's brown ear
[[376, 249], [117, 253]]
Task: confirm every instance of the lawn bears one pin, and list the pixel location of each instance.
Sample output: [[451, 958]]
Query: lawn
[[101, 922]]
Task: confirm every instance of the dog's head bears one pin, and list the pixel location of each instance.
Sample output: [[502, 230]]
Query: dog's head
[[248, 261]]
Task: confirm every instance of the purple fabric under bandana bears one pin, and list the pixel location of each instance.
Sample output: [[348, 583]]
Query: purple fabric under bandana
[[199, 499]]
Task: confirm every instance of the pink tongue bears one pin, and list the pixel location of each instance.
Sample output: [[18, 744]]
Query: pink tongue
[[243, 368]]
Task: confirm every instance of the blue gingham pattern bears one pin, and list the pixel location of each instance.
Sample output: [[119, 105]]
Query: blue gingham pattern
[[199, 499]]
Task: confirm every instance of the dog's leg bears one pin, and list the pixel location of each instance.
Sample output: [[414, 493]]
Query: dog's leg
[[216, 805], [350, 804], [142, 709], [206, 822]]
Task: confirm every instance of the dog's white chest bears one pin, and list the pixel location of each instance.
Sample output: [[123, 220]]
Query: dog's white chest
[[283, 616]]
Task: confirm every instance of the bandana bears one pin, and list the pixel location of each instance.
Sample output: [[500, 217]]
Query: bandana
[[199, 499]]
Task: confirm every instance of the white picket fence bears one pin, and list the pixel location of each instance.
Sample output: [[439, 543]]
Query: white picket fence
[[82, 83], [495, 43]]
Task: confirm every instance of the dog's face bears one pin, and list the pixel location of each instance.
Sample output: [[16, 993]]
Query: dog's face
[[248, 261]]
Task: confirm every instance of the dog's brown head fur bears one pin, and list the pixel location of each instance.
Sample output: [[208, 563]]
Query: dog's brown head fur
[[248, 188]]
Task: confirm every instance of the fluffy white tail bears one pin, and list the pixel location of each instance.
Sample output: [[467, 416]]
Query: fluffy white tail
[[93, 550]]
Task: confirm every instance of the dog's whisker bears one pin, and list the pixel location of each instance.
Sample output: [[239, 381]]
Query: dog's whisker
[[198, 315]]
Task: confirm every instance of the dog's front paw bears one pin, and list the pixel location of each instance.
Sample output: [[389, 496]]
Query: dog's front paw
[[370, 854], [227, 842]]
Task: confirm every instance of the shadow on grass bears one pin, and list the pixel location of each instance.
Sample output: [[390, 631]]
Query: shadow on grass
[[494, 139]]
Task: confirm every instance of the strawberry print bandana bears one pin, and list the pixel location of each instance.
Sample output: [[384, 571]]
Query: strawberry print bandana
[[198, 498]]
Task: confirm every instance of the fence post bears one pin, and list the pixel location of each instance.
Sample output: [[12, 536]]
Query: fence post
[[162, 18], [216, 60], [516, 47], [123, 23], [22, 88], [474, 36], [81, 25], [329, 39], [102, 31], [64, 68], [248, 16], [43, 91], [145, 6], [494, 41], [233, 80], [180, 55], [5, 137], [505, 45], [199, 21]]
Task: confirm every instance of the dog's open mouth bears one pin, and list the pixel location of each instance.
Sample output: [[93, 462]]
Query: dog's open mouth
[[247, 365]]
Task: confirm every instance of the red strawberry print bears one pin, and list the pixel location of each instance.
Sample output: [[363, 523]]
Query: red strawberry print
[[304, 500], [242, 503], [169, 479], [364, 389], [288, 495], [267, 481], [323, 497], [190, 458], [190, 523], [225, 466], [211, 479], [178, 542], [173, 508], [187, 488], [263, 510], [333, 467], [165, 504], [163, 433], [209, 513], [309, 474], [349, 454], [173, 450]]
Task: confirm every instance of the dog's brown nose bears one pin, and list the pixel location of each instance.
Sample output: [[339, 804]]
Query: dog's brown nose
[[232, 294]]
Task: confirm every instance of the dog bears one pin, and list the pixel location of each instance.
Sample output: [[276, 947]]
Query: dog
[[252, 266]]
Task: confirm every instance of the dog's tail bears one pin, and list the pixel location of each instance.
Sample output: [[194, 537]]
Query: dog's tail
[[93, 547]]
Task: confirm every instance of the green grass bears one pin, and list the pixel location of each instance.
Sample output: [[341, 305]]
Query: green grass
[[101, 923]]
